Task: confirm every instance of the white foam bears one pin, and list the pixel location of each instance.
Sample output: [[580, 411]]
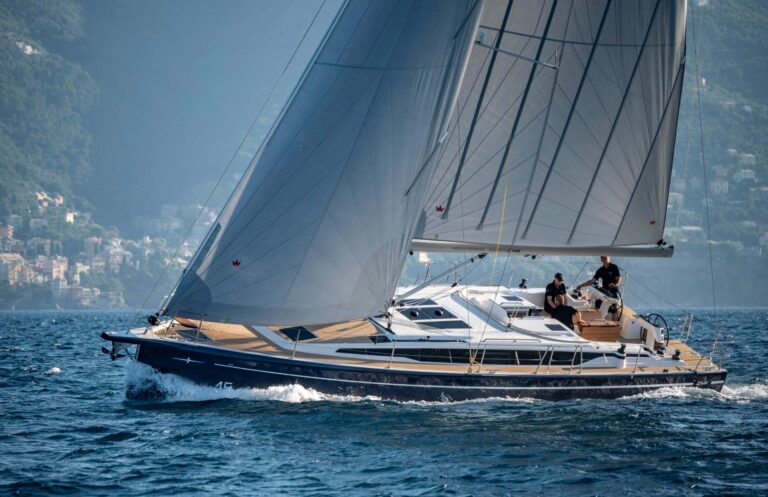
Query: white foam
[[755, 391], [735, 393], [173, 388], [513, 400], [53, 370]]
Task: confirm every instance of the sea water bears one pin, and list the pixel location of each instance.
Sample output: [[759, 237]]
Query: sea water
[[67, 428]]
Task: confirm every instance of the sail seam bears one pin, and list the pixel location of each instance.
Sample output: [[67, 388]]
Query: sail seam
[[616, 120], [520, 109], [568, 120], [544, 128], [476, 115]]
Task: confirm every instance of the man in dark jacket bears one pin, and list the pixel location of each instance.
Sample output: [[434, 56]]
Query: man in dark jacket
[[609, 275], [565, 313], [557, 287]]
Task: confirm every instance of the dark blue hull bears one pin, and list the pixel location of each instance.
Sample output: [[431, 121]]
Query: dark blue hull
[[230, 368]]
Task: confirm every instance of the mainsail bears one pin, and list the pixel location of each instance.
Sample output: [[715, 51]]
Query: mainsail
[[319, 227], [565, 128]]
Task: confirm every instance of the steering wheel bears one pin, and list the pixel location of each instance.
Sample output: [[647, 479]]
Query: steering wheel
[[618, 306], [658, 321]]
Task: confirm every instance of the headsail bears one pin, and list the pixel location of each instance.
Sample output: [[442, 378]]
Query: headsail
[[574, 157], [319, 227]]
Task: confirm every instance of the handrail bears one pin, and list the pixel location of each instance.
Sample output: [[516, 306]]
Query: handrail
[[579, 348], [551, 355], [541, 361]]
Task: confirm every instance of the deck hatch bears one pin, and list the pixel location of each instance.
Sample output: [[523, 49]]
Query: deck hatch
[[416, 302], [298, 333], [425, 313], [556, 327]]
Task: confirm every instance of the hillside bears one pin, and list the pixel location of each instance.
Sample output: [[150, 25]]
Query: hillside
[[43, 142]]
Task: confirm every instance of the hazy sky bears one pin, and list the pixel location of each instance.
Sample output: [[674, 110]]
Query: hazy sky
[[180, 83]]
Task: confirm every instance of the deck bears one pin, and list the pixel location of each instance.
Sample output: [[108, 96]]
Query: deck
[[246, 338]]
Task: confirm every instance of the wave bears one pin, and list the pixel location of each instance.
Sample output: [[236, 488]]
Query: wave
[[142, 382], [755, 392], [145, 383]]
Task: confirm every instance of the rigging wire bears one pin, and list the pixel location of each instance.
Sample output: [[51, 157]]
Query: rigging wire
[[706, 186], [227, 167], [688, 142]]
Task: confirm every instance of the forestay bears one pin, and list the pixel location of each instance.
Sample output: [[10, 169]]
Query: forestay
[[576, 156], [319, 227]]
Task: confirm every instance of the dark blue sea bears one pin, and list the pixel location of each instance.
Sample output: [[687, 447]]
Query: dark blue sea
[[67, 428]]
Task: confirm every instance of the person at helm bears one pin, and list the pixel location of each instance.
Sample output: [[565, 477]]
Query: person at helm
[[609, 276]]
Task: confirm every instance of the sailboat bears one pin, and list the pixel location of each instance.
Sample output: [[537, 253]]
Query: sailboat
[[523, 127]]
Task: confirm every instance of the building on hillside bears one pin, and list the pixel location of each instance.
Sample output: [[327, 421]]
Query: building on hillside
[[98, 264], [15, 246], [92, 246], [38, 246], [12, 268], [719, 186], [115, 257], [54, 268], [748, 160], [745, 175]]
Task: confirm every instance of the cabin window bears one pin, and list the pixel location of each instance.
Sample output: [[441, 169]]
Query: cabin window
[[495, 357], [448, 324]]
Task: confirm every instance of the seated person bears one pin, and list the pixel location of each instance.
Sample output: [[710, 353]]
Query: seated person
[[565, 313], [557, 287], [609, 276]]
